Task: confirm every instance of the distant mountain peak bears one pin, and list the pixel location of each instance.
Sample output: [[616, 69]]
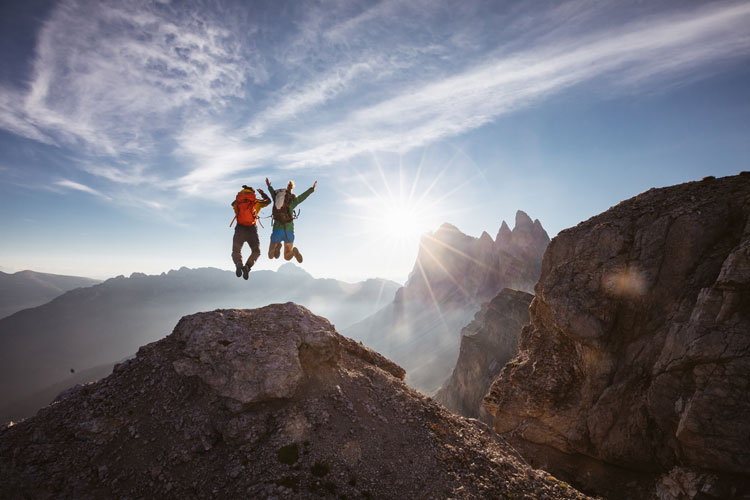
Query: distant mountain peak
[[291, 269], [448, 227], [523, 220], [504, 232]]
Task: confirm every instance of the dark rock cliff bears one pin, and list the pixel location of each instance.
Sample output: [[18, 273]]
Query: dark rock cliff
[[264, 403], [487, 343], [636, 365]]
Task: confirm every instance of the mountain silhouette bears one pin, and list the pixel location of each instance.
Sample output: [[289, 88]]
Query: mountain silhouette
[[105, 323], [26, 289]]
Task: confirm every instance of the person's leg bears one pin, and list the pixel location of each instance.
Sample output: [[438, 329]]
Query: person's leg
[[297, 254], [237, 243], [288, 251], [254, 246], [274, 248]]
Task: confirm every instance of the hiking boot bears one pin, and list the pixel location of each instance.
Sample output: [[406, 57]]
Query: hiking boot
[[238, 271], [297, 255], [245, 271]]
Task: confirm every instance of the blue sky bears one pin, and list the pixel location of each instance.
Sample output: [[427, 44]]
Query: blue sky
[[126, 127]]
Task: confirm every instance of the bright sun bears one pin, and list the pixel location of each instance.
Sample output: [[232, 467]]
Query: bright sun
[[398, 221], [395, 209]]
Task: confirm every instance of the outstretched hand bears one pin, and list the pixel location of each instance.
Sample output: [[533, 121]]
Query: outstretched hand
[[268, 183], [316, 183]]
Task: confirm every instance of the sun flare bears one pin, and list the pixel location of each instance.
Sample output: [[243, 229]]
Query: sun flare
[[400, 220]]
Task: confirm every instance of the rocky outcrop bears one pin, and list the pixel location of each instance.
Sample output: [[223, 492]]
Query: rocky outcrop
[[487, 343], [453, 269], [453, 276], [265, 403], [636, 364]]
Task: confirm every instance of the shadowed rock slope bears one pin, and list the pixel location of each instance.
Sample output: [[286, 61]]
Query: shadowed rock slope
[[264, 403], [487, 343], [635, 368]]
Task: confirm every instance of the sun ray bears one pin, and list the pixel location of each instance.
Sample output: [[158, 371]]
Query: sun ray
[[382, 176], [447, 272], [458, 252], [455, 189], [432, 293], [418, 174]]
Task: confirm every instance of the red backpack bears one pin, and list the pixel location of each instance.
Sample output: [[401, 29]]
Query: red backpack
[[244, 209]]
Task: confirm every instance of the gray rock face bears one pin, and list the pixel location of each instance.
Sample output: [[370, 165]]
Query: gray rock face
[[453, 276], [265, 403], [637, 358], [454, 269], [487, 343], [245, 357]]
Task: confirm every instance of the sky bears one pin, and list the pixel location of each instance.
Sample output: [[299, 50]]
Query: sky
[[127, 127]]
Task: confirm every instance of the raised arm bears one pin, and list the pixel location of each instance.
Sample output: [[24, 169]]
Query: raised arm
[[299, 199], [265, 200], [271, 189]]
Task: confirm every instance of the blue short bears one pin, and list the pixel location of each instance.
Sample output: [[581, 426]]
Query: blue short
[[279, 235]]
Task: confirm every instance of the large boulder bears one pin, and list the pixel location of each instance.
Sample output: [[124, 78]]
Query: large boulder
[[636, 364]]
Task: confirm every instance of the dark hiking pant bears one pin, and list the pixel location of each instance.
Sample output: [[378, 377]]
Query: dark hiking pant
[[242, 235]]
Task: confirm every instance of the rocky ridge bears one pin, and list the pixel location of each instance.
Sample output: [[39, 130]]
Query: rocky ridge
[[453, 276], [487, 343], [265, 403], [632, 377]]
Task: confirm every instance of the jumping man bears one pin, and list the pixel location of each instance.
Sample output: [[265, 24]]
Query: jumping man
[[283, 220], [246, 208]]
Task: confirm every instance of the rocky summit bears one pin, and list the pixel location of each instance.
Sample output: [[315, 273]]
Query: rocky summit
[[264, 403], [632, 378]]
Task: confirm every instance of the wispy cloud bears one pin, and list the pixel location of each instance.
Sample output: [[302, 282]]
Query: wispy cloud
[[637, 54], [162, 96], [312, 94], [76, 186], [109, 76]]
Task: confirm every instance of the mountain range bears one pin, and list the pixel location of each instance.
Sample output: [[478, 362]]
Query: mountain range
[[26, 289], [89, 329], [453, 276]]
